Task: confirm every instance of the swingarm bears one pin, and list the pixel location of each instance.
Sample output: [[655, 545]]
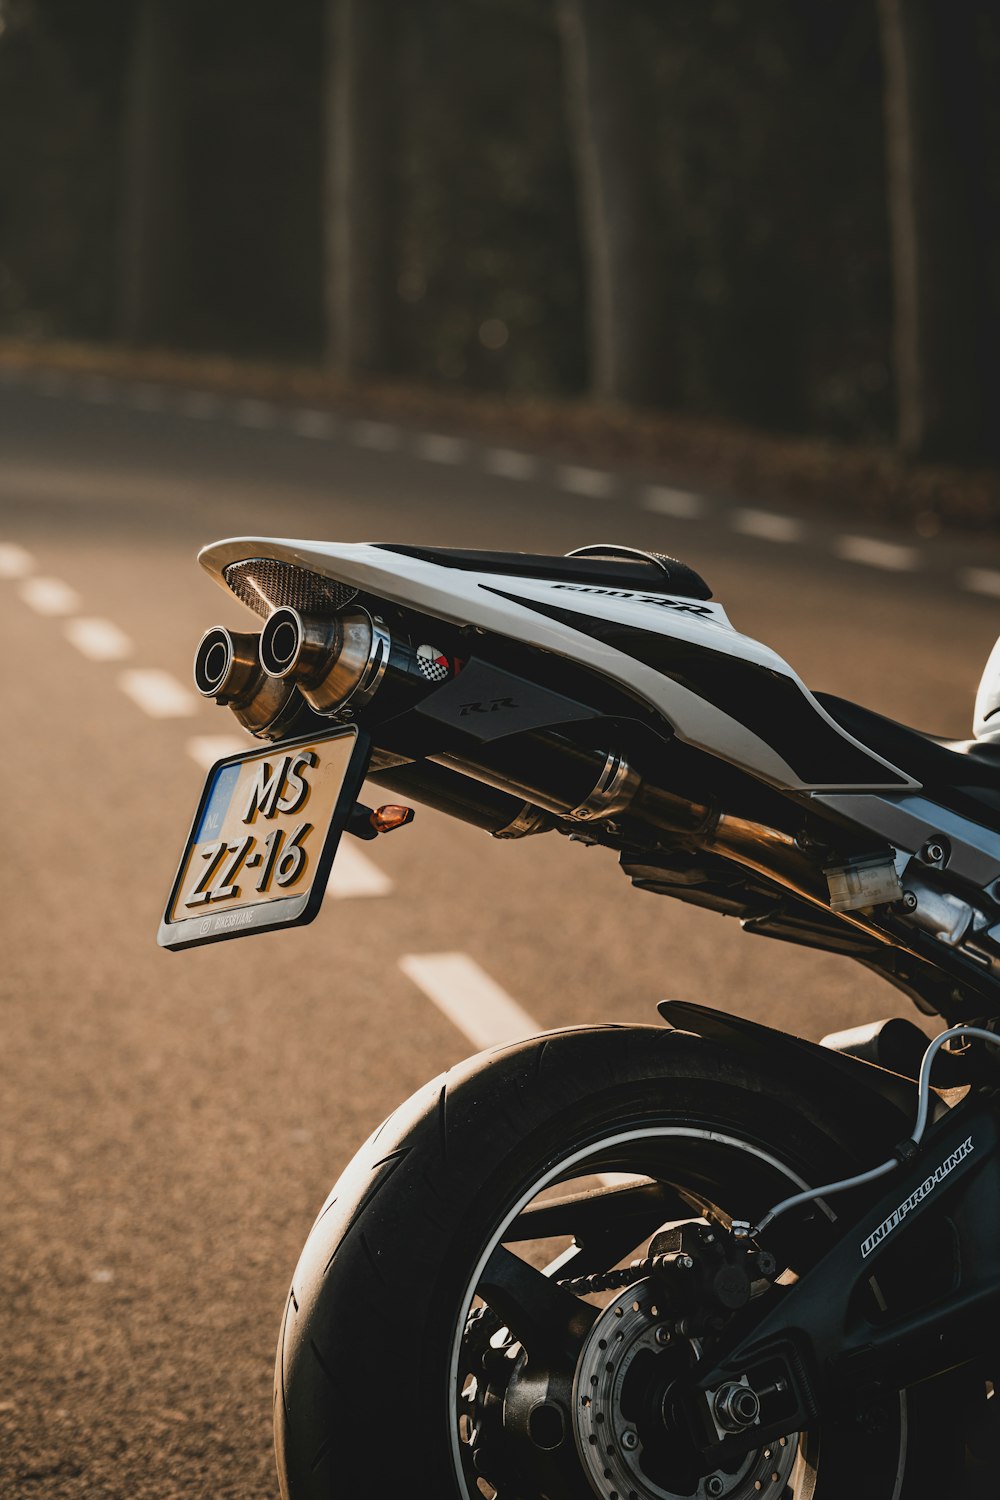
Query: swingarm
[[871, 1317]]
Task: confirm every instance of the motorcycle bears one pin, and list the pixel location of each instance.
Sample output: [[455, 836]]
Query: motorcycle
[[694, 1258]]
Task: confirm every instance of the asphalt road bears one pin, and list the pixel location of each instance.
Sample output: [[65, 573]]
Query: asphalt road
[[170, 1123]]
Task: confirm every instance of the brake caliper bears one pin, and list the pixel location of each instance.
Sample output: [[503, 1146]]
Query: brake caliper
[[632, 1436]]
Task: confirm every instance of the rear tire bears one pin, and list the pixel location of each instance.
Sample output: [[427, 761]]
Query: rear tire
[[369, 1365]]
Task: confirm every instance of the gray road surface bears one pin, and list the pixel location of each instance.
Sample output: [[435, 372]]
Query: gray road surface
[[172, 1122]]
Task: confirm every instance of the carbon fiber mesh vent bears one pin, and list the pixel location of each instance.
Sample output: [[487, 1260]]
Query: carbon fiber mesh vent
[[266, 584]]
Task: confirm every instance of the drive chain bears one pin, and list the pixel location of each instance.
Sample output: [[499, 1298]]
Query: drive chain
[[618, 1280]]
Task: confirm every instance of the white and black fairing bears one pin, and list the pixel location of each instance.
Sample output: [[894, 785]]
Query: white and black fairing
[[547, 658], [641, 621]]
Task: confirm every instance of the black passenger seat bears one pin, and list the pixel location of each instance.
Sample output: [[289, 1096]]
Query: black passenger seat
[[957, 771], [603, 566]]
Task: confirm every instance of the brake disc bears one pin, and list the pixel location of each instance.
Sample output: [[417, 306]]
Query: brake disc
[[625, 1447]]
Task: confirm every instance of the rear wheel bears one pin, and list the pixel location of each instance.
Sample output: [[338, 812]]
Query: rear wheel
[[466, 1320]]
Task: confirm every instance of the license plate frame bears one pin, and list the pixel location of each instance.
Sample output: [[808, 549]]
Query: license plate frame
[[241, 918]]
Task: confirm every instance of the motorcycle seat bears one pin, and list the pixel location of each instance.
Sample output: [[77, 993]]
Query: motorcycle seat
[[602, 567], [956, 771]]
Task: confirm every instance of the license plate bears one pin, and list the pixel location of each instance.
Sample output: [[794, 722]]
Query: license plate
[[263, 839]]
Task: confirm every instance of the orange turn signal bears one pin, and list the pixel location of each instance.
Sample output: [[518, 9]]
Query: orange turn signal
[[393, 815]]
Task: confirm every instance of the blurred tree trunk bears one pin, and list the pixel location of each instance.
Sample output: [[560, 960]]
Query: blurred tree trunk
[[933, 145], [358, 210], [615, 191], [151, 233]]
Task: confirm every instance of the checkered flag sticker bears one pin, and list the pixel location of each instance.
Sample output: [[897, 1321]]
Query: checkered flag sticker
[[433, 664]]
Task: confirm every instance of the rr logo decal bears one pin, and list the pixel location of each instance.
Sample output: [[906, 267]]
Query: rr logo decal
[[492, 706]]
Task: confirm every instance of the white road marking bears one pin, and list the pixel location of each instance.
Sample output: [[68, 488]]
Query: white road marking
[[683, 505], [97, 388], [381, 435], [508, 463], [593, 483], [14, 561], [99, 639], [892, 556], [312, 424], [982, 581], [206, 749], [49, 596], [251, 413], [471, 1000], [146, 397], [354, 874], [201, 404], [768, 525], [439, 448], [158, 694]]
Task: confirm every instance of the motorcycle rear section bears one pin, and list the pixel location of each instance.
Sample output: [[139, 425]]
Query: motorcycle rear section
[[490, 1304], [606, 697], [543, 1275]]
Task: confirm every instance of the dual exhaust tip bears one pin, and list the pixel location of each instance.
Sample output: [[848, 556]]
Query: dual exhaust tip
[[227, 667], [302, 666], [298, 665], [333, 661]]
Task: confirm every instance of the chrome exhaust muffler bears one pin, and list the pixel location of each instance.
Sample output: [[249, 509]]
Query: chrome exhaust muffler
[[227, 667], [340, 662], [333, 661]]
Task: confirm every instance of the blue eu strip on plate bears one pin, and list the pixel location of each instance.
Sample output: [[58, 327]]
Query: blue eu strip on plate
[[218, 802]]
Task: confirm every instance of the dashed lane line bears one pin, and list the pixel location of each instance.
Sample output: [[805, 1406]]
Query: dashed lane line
[[49, 596], [15, 562], [382, 436], [159, 694], [438, 448], [204, 406], [767, 525], [354, 874], [508, 463], [595, 484], [313, 423], [252, 413], [206, 749], [98, 389], [98, 639], [982, 581], [146, 397], [682, 505], [472, 1001], [874, 553]]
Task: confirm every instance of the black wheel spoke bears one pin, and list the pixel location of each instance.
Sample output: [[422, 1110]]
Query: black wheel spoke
[[551, 1323], [605, 1222]]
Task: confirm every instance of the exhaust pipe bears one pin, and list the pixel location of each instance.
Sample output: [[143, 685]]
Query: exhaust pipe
[[339, 663], [227, 667], [499, 813], [577, 783]]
